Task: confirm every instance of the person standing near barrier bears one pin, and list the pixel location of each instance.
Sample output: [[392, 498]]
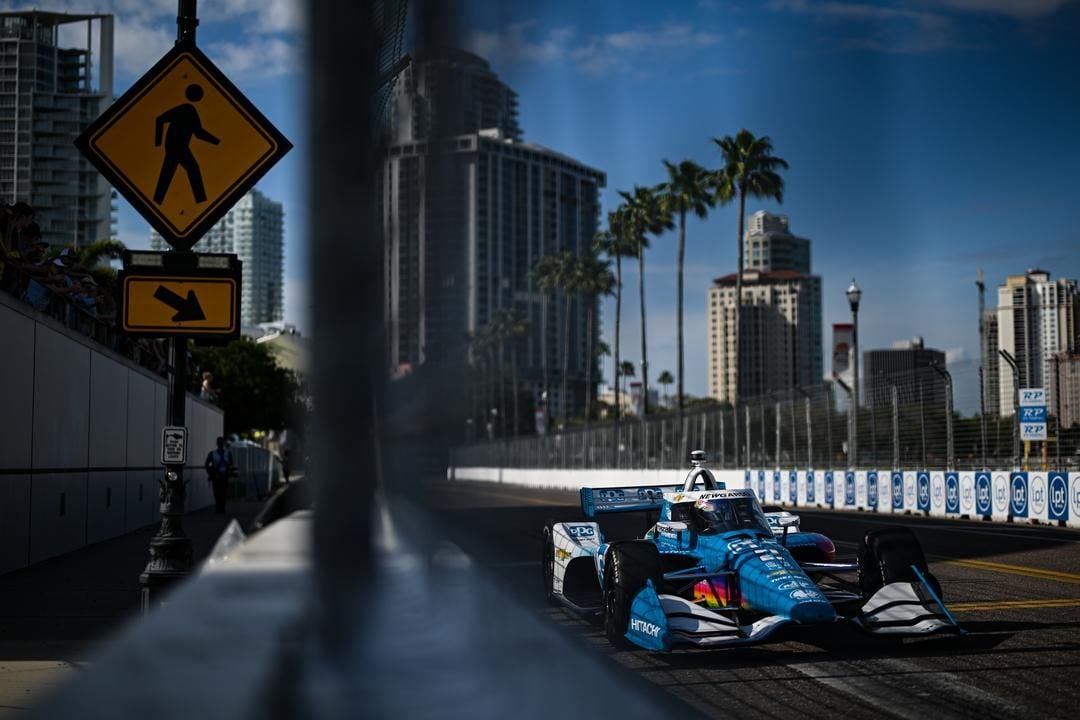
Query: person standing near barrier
[[219, 468]]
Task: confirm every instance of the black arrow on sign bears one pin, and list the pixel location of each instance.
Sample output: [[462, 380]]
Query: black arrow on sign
[[186, 310]]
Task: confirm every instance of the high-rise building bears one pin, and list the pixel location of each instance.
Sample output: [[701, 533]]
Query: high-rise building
[[780, 343], [1063, 388], [768, 245], [457, 87], [48, 95], [908, 368], [253, 230], [462, 245], [1036, 318]]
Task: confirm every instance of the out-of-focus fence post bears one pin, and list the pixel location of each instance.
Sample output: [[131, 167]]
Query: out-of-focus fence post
[[809, 432], [723, 455], [982, 419], [777, 434], [895, 427], [828, 425], [922, 422], [794, 430], [950, 453], [746, 408], [1016, 404]]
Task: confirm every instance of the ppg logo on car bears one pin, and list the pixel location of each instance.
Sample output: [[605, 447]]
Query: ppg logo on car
[[580, 531], [1018, 495], [983, 496], [1059, 496]]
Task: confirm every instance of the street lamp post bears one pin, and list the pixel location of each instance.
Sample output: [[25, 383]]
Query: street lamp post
[[854, 295]]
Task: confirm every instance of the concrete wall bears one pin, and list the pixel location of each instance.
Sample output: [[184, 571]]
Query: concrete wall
[[80, 429]]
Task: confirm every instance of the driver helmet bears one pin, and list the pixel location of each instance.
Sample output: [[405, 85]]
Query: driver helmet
[[715, 515]]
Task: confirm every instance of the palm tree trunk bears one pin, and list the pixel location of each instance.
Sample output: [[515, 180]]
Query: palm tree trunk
[[588, 362], [738, 319], [682, 254], [618, 322], [514, 384], [566, 361], [502, 398], [545, 395], [644, 357]]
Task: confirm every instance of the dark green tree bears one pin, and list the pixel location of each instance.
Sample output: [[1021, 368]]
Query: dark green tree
[[254, 392]]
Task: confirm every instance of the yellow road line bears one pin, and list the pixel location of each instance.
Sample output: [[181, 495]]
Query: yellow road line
[[1052, 575], [1013, 605]]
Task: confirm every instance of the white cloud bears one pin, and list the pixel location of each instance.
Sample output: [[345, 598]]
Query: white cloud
[[596, 55], [265, 57], [954, 355], [513, 44], [883, 28], [1021, 9]]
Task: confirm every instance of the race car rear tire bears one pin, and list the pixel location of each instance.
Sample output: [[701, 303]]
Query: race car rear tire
[[627, 567], [887, 556], [547, 562]]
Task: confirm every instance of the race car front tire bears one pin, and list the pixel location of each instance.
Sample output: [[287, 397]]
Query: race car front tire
[[887, 556], [627, 567]]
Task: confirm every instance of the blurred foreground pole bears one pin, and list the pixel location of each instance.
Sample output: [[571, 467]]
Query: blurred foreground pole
[[347, 307]]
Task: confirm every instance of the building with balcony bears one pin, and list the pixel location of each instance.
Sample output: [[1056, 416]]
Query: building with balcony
[[49, 93]]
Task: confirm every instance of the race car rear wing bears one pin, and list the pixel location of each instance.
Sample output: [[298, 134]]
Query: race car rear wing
[[626, 499]]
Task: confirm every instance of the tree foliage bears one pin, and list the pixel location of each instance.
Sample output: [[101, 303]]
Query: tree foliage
[[254, 392]]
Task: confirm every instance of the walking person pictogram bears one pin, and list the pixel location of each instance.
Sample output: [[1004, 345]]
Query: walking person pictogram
[[184, 124]]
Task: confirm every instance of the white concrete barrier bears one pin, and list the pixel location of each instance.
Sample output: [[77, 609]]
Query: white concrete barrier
[[1036, 496]]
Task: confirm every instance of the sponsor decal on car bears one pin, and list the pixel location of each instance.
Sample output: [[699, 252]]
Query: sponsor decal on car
[[804, 595], [644, 627], [581, 531], [562, 554]]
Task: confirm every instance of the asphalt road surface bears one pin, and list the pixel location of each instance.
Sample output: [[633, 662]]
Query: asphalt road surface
[[1014, 588]]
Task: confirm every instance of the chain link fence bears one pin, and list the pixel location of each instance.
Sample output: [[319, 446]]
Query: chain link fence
[[904, 422]]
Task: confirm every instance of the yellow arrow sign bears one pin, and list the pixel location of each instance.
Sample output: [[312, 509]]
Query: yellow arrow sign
[[183, 145], [176, 305]]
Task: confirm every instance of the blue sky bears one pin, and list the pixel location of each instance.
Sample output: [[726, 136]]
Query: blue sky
[[926, 138]]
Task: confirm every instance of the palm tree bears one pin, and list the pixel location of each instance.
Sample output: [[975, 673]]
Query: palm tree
[[645, 215], [613, 243], [626, 370], [750, 168], [559, 272], [547, 274], [594, 279], [687, 189], [508, 325], [665, 379]]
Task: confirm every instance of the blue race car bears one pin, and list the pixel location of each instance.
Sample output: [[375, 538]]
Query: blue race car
[[716, 570]]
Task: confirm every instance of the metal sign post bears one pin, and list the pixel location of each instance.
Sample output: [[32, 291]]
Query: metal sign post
[[182, 145]]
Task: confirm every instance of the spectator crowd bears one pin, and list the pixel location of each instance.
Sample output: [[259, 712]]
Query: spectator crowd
[[51, 280]]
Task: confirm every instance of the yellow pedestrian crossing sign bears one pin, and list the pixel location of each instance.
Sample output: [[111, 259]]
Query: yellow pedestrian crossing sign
[[183, 145]]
